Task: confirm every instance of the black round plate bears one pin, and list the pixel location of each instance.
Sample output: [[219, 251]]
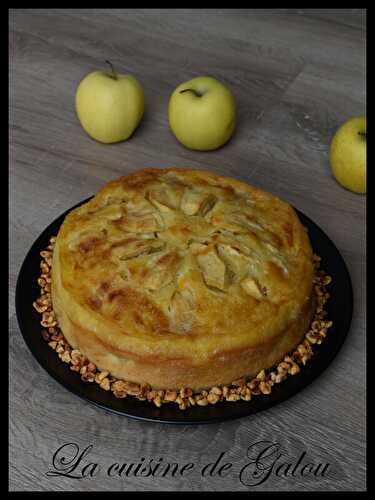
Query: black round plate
[[339, 307]]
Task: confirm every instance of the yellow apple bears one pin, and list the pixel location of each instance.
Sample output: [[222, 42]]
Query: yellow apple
[[202, 113], [348, 155], [109, 105]]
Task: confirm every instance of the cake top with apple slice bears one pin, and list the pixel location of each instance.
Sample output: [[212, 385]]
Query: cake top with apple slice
[[179, 255]]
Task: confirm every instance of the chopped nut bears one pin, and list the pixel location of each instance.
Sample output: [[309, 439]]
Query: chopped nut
[[297, 357], [178, 400], [91, 367], [48, 260], [185, 392], [83, 370], [45, 299], [183, 405], [88, 377], [246, 397], [232, 397], [213, 398], [150, 395], [216, 390], [118, 389], [202, 402], [294, 369], [41, 282], [261, 375], [282, 367], [119, 394], [40, 308], [132, 388], [170, 396], [45, 254], [307, 346], [144, 390], [76, 357], [119, 385], [66, 357], [53, 344], [101, 376], [302, 349], [315, 326], [253, 385], [306, 357], [280, 377], [44, 267], [48, 319], [191, 400], [57, 336], [311, 337], [60, 349], [157, 401], [265, 387]]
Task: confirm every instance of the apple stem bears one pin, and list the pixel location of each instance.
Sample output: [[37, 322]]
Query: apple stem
[[114, 74], [191, 90]]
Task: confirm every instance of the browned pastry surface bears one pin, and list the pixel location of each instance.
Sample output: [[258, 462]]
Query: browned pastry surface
[[181, 277]]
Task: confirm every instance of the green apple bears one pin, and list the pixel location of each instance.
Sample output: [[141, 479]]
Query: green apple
[[109, 105], [202, 113], [348, 155]]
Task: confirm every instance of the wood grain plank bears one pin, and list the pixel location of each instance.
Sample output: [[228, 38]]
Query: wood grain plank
[[297, 75]]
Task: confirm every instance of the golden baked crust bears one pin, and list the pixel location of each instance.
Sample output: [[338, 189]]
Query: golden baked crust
[[181, 277]]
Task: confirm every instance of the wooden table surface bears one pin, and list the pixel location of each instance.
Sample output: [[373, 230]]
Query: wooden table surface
[[297, 75]]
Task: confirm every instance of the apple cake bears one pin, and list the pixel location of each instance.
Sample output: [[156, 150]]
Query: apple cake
[[182, 278]]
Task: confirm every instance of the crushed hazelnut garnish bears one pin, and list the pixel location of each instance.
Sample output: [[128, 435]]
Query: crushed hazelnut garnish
[[240, 389]]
